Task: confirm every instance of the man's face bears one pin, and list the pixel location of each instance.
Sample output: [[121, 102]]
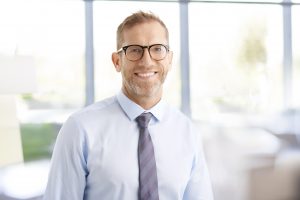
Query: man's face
[[144, 77]]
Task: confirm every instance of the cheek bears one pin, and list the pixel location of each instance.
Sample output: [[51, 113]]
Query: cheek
[[125, 70]]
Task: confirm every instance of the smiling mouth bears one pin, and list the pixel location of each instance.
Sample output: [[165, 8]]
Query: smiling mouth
[[146, 75]]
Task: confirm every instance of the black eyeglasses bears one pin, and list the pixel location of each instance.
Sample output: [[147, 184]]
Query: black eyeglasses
[[135, 52]]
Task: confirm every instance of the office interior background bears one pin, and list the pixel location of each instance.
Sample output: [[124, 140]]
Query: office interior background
[[236, 73]]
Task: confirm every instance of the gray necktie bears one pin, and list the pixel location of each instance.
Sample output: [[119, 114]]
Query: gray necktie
[[148, 189]]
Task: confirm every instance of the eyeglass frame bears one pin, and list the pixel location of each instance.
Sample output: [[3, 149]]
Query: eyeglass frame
[[124, 48]]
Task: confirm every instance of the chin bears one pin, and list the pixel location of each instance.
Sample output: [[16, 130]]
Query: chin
[[149, 91]]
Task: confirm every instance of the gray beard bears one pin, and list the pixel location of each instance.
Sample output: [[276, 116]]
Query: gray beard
[[142, 91]]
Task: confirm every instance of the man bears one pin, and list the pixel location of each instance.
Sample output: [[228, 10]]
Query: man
[[109, 151]]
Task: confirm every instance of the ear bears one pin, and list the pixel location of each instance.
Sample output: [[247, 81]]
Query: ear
[[170, 59], [115, 57]]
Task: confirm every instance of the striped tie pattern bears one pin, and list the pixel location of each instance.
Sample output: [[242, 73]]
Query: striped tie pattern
[[148, 187]]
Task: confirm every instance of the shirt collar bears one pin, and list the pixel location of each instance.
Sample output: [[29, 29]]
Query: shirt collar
[[133, 110]]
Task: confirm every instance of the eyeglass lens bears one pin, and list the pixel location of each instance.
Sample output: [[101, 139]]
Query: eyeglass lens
[[136, 52]]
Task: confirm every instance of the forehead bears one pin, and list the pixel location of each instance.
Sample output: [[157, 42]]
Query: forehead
[[145, 34]]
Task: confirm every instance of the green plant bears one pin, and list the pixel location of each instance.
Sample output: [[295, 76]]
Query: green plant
[[38, 140]]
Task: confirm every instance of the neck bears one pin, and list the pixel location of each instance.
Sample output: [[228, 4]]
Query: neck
[[144, 101]]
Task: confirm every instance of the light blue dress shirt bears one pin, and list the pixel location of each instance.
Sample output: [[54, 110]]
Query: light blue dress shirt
[[95, 155]]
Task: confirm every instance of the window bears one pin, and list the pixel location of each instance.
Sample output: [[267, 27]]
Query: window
[[296, 55], [236, 59], [52, 33]]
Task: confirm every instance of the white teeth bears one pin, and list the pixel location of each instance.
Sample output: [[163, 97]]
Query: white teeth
[[146, 74]]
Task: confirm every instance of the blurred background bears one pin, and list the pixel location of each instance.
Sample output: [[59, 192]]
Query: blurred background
[[236, 73]]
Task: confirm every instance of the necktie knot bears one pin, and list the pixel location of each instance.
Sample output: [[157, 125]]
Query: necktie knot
[[143, 120]]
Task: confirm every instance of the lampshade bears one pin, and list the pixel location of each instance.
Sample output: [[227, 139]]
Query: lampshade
[[17, 75]]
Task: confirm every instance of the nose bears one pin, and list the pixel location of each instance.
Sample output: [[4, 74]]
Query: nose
[[146, 58]]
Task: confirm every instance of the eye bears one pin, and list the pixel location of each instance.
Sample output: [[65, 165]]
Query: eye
[[158, 49], [134, 49]]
